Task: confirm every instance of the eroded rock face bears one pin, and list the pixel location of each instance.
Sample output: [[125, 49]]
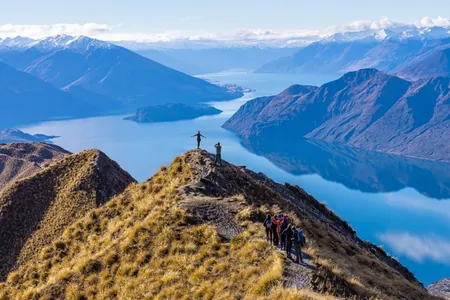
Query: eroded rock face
[[365, 109], [440, 288]]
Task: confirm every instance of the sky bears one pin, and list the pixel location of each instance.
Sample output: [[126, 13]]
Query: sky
[[144, 19]]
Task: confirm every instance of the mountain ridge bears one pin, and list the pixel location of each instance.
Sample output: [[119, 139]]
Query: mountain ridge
[[209, 243], [365, 109], [35, 210]]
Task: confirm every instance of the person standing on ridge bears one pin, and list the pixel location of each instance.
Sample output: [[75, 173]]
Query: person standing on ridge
[[199, 138], [218, 158]]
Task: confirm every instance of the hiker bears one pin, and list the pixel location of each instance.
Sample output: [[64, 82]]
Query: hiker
[[299, 241], [199, 138], [274, 233], [218, 158], [284, 226], [268, 227], [289, 235], [277, 221]]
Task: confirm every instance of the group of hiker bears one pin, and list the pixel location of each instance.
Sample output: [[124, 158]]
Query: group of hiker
[[218, 156], [281, 231]]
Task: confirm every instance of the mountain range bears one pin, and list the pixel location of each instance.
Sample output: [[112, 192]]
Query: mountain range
[[192, 230], [411, 54], [64, 76], [366, 109]]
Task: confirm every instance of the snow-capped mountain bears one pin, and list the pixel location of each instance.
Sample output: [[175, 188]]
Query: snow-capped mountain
[[78, 43], [16, 42]]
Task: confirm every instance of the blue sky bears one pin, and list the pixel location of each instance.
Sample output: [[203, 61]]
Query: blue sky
[[210, 16]]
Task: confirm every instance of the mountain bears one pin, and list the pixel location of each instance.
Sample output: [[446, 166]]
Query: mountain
[[11, 135], [440, 288], [20, 160], [25, 98], [411, 54], [320, 57], [435, 64], [194, 231], [171, 112], [357, 169], [366, 109], [213, 60], [36, 210], [91, 66]]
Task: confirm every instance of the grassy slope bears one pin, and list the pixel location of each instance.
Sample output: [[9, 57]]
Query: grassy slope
[[34, 211], [20, 160], [143, 244]]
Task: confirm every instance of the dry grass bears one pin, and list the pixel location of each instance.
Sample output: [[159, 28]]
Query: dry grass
[[142, 245], [36, 210]]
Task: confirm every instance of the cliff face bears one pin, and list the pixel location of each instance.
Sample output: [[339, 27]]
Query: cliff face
[[194, 230], [20, 160], [36, 210], [364, 109]]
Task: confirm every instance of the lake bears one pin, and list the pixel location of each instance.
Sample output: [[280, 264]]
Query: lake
[[400, 203]]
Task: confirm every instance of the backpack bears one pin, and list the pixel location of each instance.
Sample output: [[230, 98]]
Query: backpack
[[300, 238], [268, 223]]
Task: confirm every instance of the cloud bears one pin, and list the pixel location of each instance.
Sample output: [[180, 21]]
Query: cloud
[[418, 248], [259, 36], [40, 31]]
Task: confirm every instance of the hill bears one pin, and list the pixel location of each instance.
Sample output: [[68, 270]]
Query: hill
[[171, 112], [36, 210], [26, 98], [194, 231], [366, 109], [13, 135], [20, 160]]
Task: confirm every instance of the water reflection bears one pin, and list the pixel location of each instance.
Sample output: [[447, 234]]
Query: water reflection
[[357, 169]]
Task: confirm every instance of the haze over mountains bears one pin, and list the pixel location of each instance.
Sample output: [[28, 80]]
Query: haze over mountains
[[365, 109]]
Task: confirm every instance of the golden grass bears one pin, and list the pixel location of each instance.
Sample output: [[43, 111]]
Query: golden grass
[[142, 245]]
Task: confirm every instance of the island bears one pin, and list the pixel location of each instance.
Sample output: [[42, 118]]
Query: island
[[171, 112], [13, 135]]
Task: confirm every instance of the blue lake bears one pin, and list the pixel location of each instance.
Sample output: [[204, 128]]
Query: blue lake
[[400, 203]]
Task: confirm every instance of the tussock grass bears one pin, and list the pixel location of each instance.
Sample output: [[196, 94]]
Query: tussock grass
[[141, 244]]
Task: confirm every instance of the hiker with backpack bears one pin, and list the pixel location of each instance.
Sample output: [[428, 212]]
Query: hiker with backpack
[[299, 241], [268, 227]]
